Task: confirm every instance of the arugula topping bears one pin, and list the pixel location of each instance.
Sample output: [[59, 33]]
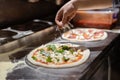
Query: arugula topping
[[64, 47], [49, 59], [71, 50], [51, 47], [42, 51], [34, 58], [60, 51]]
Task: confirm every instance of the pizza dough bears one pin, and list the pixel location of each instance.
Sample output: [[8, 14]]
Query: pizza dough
[[85, 34], [58, 55]]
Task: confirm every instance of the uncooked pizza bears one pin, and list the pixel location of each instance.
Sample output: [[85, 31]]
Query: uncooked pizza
[[58, 55], [85, 34]]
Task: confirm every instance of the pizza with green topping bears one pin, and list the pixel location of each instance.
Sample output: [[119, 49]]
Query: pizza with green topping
[[58, 55]]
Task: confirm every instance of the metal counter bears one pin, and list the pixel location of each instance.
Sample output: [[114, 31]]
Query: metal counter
[[14, 53]]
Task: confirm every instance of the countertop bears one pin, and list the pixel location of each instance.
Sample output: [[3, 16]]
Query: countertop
[[21, 69]]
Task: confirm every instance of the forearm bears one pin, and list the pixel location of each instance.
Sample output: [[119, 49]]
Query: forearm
[[91, 4]]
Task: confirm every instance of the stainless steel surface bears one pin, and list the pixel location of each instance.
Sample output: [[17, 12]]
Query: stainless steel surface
[[116, 3], [29, 40], [113, 30], [27, 71], [109, 68], [15, 32]]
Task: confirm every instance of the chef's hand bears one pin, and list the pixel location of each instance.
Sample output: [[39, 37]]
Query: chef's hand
[[65, 14]]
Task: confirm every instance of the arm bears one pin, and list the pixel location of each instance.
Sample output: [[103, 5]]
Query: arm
[[67, 11], [92, 4]]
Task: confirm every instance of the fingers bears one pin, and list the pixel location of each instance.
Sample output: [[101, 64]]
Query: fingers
[[58, 19], [71, 16], [65, 18], [64, 15], [61, 21]]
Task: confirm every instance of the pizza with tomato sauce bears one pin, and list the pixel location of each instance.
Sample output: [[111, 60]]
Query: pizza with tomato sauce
[[85, 34], [58, 55]]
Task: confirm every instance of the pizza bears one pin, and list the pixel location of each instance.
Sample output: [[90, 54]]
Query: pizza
[[84, 34], [58, 55]]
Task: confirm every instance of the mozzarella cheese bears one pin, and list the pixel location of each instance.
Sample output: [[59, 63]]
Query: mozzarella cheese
[[56, 56]]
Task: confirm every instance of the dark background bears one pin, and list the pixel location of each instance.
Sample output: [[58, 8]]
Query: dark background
[[19, 11]]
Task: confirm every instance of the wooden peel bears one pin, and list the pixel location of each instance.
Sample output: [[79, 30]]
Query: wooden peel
[[36, 39]]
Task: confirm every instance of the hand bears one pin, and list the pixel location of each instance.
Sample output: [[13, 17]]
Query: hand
[[65, 14]]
